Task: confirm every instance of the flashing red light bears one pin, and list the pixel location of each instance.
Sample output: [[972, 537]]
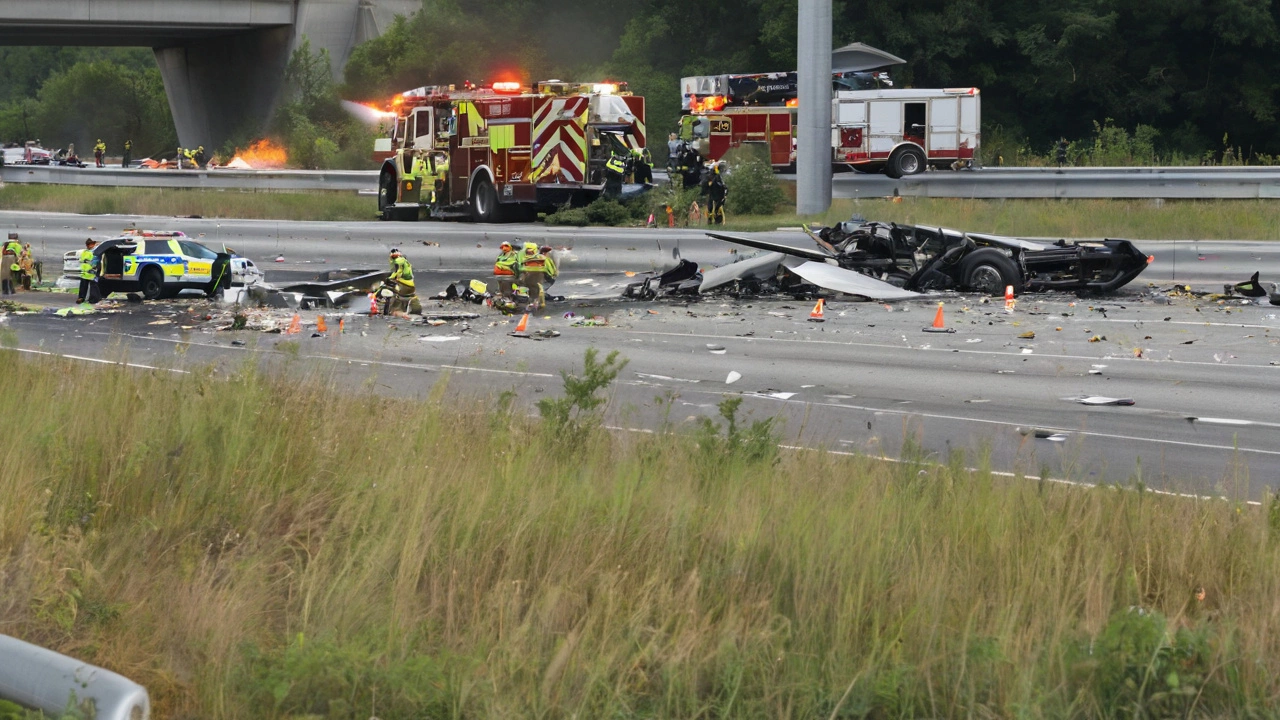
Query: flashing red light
[[1151, 259], [793, 102], [506, 87]]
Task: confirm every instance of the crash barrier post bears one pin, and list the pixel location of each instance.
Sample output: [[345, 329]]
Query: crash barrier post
[[45, 680]]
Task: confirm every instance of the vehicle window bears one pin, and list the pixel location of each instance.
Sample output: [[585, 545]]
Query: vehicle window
[[155, 247], [196, 250]]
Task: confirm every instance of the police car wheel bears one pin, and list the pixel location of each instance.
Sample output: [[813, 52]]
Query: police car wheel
[[152, 283]]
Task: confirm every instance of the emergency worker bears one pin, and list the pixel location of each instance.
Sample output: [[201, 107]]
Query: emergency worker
[[1062, 152], [673, 152], [504, 271], [715, 190], [614, 169], [532, 266], [128, 154], [10, 269], [181, 154], [551, 271], [402, 280], [88, 272], [690, 166], [199, 157], [99, 153], [30, 268], [642, 162]]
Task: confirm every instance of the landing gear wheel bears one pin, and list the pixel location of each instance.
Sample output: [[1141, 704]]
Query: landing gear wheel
[[905, 161], [989, 272], [484, 202], [152, 283]]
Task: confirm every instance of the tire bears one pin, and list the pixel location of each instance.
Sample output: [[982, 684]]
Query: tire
[[151, 283], [484, 202], [388, 191], [907, 160], [989, 271]]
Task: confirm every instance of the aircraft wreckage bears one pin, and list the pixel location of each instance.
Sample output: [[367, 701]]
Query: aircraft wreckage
[[886, 261]]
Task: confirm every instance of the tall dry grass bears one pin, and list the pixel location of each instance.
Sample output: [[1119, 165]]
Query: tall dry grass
[[186, 203], [260, 546]]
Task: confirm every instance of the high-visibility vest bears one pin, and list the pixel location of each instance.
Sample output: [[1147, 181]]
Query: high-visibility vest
[[550, 268], [128, 144], [100, 147], [615, 164], [86, 264], [401, 271], [533, 263], [506, 263], [13, 247]]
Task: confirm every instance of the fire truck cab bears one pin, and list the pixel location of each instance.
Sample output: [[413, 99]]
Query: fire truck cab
[[903, 132], [506, 151]]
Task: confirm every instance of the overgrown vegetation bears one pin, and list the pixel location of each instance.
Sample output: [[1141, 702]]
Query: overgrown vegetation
[[186, 203], [247, 556]]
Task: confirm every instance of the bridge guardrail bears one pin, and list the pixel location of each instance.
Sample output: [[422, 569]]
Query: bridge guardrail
[[45, 680]]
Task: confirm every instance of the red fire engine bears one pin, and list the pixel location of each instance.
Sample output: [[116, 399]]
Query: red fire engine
[[506, 151], [874, 128]]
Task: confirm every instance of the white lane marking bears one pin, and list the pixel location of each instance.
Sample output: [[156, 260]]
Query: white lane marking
[[1006, 423], [504, 372], [1181, 322], [1228, 421], [950, 351], [100, 360]]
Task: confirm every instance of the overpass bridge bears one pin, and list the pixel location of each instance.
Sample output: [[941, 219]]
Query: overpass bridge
[[222, 60]]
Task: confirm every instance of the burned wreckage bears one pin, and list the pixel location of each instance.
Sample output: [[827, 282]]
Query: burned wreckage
[[886, 261]]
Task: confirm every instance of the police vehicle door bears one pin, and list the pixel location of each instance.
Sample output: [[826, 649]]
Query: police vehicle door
[[197, 262]]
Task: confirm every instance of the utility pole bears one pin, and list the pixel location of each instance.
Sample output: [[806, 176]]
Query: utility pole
[[813, 63]]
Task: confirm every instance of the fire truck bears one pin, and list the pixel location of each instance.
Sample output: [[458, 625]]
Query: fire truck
[[503, 152], [875, 128]]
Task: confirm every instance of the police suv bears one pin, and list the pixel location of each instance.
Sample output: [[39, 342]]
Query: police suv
[[162, 264]]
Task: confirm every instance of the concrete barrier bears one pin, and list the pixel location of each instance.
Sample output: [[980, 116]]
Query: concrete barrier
[[266, 180], [45, 680]]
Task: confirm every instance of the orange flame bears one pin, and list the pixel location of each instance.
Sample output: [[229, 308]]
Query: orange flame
[[264, 154], [710, 103]]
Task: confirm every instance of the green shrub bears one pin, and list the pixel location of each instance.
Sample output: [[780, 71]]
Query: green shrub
[[579, 409], [604, 211], [753, 188], [565, 215]]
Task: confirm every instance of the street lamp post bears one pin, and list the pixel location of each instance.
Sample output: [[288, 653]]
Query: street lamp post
[[813, 151]]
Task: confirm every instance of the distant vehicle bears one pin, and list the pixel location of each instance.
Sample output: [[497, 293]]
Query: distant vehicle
[[15, 154], [162, 264]]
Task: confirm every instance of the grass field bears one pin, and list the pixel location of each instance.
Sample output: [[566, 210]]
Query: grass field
[[1134, 219], [276, 548]]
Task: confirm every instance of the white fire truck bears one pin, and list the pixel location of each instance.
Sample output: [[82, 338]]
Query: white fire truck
[[503, 152], [877, 129]]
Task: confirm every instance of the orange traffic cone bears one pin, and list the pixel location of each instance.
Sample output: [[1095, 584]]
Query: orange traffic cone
[[342, 325], [816, 314], [650, 223], [939, 325], [522, 326], [373, 304], [671, 217], [1009, 302], [321, 326], [295, 326]]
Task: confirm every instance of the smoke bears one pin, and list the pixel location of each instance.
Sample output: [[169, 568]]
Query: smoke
[[365, 114]]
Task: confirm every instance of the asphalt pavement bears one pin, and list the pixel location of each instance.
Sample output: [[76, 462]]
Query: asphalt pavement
[[1202, 372]]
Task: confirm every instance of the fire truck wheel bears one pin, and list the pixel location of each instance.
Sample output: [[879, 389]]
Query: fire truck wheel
[[387, 190], [905, 161], [989, 271], [484, 201]]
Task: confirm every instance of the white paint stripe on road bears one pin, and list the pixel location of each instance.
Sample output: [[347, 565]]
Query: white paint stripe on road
[[100, 360], [952, 351]]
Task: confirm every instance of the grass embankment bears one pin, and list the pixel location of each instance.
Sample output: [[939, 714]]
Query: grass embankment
[[1134, 219], [184, 203], [273, 548]]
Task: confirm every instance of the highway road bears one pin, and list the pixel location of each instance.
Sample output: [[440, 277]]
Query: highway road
[[1203, 375]]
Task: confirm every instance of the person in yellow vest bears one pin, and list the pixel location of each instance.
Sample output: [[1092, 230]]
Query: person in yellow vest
[[532, 266], [30, 267], [504, 270], [9, 258], [551, 271], [128, 154], [99, 153], [402, 280], [88, 272], [440, 180], [181, 154], [614, 169]]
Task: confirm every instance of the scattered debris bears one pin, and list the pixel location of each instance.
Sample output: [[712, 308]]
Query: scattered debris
[[1102, 400], [733, 377]]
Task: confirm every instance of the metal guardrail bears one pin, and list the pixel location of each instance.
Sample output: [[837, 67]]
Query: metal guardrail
[[267, 180], [1134, 183], [45, 680], [985, 183]]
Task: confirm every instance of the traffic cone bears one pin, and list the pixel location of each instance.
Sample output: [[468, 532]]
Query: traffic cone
[[1009, 302], [939, 325], [342, 325], [522, 326], [650, 223], [321, 326], [373, 304], [816, 314], [671, 217], [295, 326]]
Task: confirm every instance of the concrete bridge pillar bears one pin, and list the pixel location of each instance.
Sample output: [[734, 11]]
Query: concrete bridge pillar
[[224, 86]]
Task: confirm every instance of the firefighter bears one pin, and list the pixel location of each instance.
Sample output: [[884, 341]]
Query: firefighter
[[402, 281], [99, 153], [10, 268], [532, 266], [128, 154], [199, 158], [690, 166], [420, 174], [440, 183], [551, 271], [642, 164], [504, 272], [673, 152], [614, 168], [88, 272], [178, 158], [1062, 152], [715, 191]]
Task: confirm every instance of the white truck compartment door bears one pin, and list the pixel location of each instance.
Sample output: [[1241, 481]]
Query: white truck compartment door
[[885, 125], [944, 120], [970, 129]]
